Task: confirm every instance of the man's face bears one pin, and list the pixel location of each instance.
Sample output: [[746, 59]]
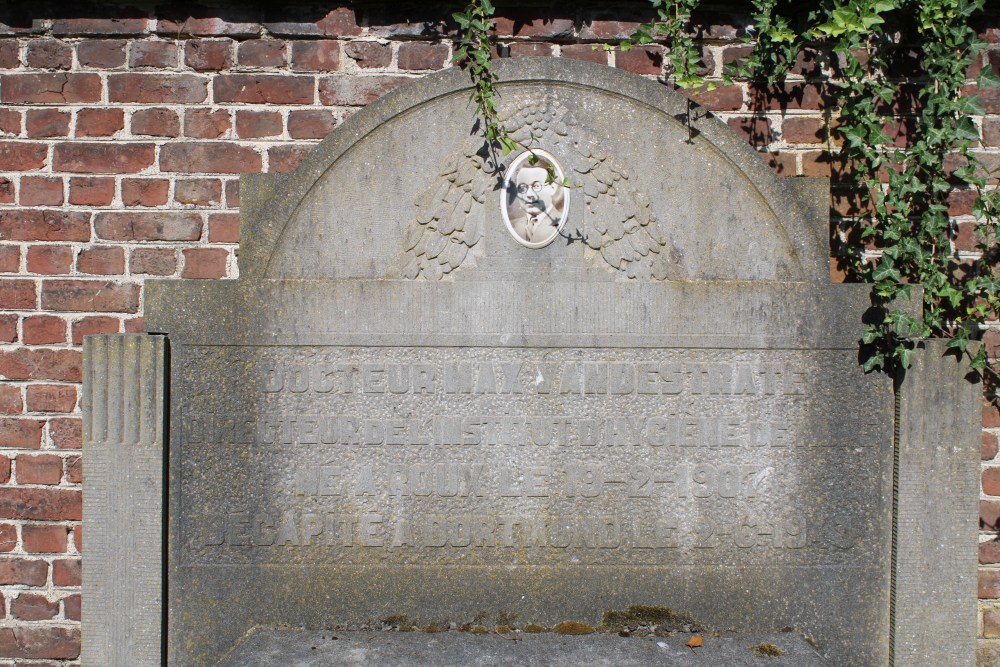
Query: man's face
[[533, 191]]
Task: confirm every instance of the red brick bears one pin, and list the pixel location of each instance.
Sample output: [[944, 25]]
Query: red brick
[[991, 480], [286, 157], [94, 325], [790, 96], [71, 606], [41, 468], [95, 26], [6, 190], [641, 59], [44, 330], [17, 294], [991, 622], [45, 225], [99, 122], [157, 88], [153, 53], [51, 398], [198, 191], [261, 53], [41, 504], [803, 131], [41, 123], [66, 433], [206, 123], [340, 22], [529, 26], [21, 433], [41, 364], [101, 53], [49, 54], [585, 52], [420, 56], [90, 295], [529, 50], [316, 56], [209, 54], [8, 328], [311, 124], [5, 467], [8, 537], [67, 571], [991, 131], [988, 448], [156, 123], [369, 54], [989, 584], [233, 194], [50, 259], [17, 570], [22, 156], [9, 58], [205, 263], [991, 340], [224, 228], [144, 191], [33, 606], [153, 261], [347, 90], [86, 191], [10, 399], [960, 202], [49, 88], [10, 121], [755, 130], [103, 158], [74, 469], [148, 226], [135, 325], [42, 642], [207, 26], [10, 258], [263, 88], [101, 261], [41, 191], [991, 416], [209, 157], [256, 124]]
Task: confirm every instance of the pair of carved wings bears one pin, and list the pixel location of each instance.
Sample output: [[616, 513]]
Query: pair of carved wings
[[617, 220]]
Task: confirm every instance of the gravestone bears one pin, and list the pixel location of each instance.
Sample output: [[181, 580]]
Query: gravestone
[[431, 396]]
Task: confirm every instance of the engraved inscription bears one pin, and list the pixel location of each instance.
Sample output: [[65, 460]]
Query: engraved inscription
[[479, 456]]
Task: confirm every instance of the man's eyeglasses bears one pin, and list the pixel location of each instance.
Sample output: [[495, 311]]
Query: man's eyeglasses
[[523, 187]]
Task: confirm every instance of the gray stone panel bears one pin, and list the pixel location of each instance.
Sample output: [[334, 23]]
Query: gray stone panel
[[290, 648], [938, 482], [123, 404]]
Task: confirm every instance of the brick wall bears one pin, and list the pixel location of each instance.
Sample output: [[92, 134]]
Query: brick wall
[[123, 132]]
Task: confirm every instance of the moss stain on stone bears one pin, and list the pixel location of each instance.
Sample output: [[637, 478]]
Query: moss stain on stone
[[534, 629], [573, 628], [641, 615], [766, 650]]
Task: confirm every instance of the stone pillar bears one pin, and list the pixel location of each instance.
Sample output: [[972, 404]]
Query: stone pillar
[[124, 393], [937, 486]]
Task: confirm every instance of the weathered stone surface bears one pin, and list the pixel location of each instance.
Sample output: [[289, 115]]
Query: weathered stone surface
[[123, 440], [938, 479], [399, 409], [375, 649]]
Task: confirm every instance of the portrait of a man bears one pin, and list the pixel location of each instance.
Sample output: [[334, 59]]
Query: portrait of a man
[[535, 202]]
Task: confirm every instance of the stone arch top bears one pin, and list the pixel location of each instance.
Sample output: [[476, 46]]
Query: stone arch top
[[660, 190]]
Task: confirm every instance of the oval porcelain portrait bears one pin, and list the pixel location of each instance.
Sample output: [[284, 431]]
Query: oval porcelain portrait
[[535, 203]]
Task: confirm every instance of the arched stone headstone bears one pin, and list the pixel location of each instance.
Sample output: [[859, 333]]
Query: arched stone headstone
[[401, 409]]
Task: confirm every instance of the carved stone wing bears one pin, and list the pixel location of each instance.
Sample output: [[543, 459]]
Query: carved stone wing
[[619, 224], [439, 238]]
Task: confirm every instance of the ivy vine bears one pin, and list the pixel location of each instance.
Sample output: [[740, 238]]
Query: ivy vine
[[902, 235]]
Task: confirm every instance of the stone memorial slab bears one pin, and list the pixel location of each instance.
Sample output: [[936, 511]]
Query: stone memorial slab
[[445, 389]]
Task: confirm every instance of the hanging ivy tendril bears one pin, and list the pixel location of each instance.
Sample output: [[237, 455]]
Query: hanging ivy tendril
[[883, 65]]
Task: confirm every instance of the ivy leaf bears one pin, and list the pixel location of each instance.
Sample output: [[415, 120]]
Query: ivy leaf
[[987, 79]]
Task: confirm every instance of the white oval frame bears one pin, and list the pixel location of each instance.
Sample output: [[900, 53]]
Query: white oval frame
[[511, 170]]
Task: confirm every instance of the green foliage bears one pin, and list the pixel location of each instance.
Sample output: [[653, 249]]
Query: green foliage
[[905, 236]]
